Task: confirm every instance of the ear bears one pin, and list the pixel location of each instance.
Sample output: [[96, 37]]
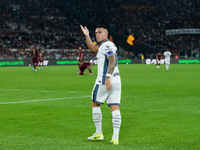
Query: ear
[[106, 35]]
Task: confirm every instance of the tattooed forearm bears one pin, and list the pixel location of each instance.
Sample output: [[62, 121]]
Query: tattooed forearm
[[111, 63]]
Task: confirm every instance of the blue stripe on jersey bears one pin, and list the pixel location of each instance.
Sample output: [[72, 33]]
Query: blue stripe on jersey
[[94, 94], [105, 70], [106, 40], [109, 53]]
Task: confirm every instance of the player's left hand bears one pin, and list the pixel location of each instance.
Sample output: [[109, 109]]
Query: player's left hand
[[85, 30], [108, 84]]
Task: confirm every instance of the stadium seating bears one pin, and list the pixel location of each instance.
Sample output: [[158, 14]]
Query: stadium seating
[[53, 26]]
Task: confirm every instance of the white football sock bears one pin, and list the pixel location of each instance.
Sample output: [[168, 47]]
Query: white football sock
[[116, 120], [97, 118]]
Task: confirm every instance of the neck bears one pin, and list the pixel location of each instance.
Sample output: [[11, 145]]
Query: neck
[[103, 41]]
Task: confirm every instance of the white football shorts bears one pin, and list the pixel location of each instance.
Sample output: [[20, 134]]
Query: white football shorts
[[167, 61], [100, 94], [159, 61]]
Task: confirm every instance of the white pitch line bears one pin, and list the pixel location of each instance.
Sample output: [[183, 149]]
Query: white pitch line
[[40, 100], [42, 90]]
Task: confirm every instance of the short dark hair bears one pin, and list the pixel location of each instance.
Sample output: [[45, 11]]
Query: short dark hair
[[102, 26]]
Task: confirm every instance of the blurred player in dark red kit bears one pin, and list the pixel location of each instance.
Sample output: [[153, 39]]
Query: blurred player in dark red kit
[[41, 59], [83, 66], [34, 57], [80, 58], [158, 59]]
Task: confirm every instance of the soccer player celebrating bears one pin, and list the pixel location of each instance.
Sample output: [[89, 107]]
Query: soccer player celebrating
[[158, 59], [41, 56], [167, 55], [108, 82], [83, 66], [34, 57]]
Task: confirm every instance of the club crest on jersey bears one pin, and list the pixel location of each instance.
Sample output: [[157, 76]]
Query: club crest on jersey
[[108, 48]]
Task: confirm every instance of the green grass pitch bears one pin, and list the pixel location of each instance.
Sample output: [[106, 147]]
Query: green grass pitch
[[51, 110]]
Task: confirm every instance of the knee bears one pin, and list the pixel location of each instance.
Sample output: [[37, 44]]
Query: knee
[[95, 104], [114, 107]]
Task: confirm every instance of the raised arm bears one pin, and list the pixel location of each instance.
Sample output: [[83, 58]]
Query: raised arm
[[92, 47]]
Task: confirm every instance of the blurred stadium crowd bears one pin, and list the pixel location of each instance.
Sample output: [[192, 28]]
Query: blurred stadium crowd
[[24, 23]]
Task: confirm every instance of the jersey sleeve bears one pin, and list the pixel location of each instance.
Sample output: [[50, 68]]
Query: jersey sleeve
[[108, 49]]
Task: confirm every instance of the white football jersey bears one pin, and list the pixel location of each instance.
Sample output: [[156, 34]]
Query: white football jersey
[[167, 54], [106, 49]]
